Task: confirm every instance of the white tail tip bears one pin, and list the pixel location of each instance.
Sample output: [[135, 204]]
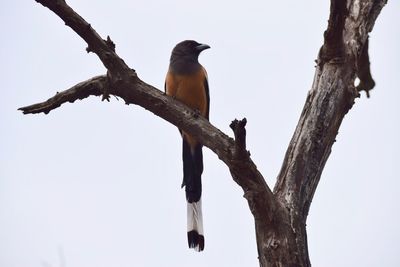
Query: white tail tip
[[195, 226]]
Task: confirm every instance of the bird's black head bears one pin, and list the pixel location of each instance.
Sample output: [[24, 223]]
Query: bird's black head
[[185, 55], [189, 48]]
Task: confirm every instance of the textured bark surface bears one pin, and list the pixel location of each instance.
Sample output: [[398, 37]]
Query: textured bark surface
[[280, 216]]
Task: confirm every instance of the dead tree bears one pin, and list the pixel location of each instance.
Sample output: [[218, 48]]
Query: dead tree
[[280, 214]]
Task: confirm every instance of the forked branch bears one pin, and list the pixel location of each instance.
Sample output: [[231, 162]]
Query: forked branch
[[123, 82]]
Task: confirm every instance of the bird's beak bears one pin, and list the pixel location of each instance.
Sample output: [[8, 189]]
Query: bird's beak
[[202, 47]]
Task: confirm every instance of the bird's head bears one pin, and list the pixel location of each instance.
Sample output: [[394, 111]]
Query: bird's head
[[188, 50]]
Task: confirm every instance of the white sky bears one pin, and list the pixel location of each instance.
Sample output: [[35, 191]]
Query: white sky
[[101, 181]]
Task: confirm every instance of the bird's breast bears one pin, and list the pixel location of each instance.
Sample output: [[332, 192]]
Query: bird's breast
[[189, 89]]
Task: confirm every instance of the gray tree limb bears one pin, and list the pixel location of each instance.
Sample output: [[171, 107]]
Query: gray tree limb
[[94, 86], [123, 82]]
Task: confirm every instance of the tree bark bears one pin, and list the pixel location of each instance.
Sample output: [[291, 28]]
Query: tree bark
[[280, 215]]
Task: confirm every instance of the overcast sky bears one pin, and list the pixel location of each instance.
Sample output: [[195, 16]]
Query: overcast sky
[[98, 184]]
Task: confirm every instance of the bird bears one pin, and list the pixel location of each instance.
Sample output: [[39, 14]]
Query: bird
[[187, 82]]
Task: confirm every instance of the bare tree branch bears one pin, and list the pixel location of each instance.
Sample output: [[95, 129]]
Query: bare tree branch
[[104, 49], [123, 82], [94, 86]]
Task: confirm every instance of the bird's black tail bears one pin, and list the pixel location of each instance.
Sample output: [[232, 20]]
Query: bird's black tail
[[192, 170]]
